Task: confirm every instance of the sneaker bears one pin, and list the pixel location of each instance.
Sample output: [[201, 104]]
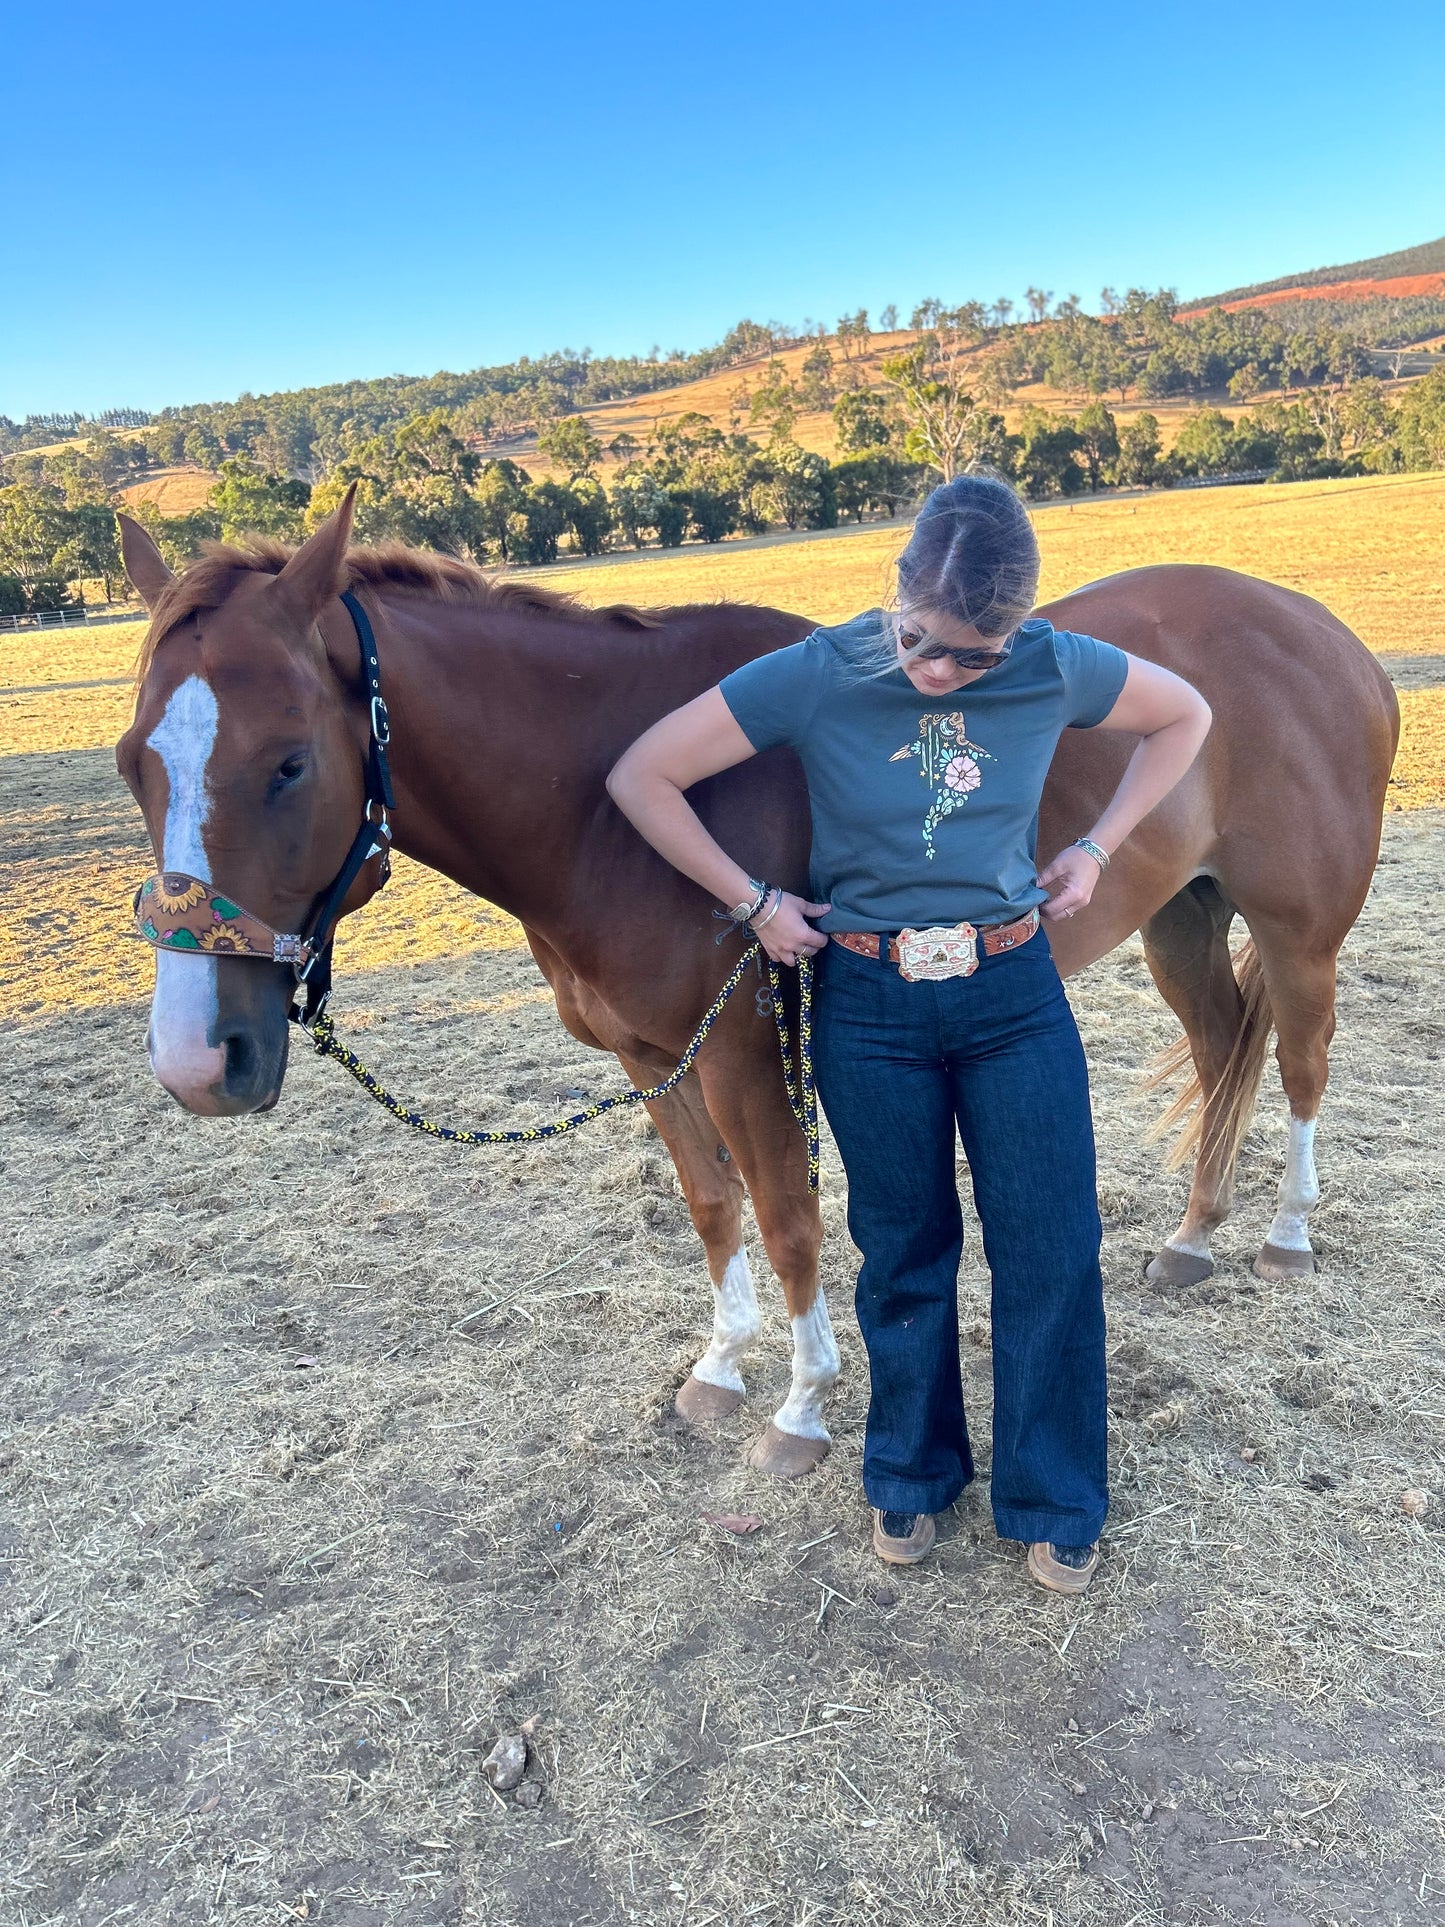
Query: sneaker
[[1063, 1568], [903, 1538]]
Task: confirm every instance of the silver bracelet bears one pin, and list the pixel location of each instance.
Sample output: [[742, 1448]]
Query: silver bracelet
[[1093, 849], [745, 911], [768, 915]]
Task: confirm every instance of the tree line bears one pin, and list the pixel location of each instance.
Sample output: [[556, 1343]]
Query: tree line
[[305, 431], [1138, 344], [419, 483], [928, 409]]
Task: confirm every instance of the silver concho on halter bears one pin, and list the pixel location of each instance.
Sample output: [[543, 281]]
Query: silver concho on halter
[[928, 956]]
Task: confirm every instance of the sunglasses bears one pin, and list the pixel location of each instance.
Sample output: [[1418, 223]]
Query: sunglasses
[[930, 651]]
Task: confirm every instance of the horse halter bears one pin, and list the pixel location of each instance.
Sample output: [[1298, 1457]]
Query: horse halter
[[174, 911]]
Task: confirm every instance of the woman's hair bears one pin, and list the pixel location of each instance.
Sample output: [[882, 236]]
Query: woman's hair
[[972, 556]]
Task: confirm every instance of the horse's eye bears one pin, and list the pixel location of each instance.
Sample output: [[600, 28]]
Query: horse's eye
[[291, 771]]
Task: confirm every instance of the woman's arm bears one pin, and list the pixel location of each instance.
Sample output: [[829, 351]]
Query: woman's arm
[[1171, 719], [647, 785]]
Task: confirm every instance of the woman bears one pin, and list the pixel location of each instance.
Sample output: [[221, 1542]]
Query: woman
[[926, 737]]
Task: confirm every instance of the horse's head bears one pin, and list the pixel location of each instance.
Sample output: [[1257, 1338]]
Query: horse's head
[[246, 757]]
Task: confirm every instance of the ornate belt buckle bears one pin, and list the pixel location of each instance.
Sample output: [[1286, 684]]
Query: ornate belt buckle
[[928, 956]]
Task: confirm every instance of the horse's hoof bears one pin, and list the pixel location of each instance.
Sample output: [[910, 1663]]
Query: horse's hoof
[[1278, 1263], [786, 1456], [698, 1403], [1175, 1269]]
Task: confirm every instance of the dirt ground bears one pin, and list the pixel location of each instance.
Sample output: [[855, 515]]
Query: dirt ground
[[330, 1454]]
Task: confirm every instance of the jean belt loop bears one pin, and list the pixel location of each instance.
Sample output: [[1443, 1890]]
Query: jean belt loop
[[883, 946]]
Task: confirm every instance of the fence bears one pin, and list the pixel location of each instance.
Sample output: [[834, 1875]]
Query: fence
[[65, 619], [1223, 481]]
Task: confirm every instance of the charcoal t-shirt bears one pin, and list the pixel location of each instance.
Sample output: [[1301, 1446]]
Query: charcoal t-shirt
[[925, 810]]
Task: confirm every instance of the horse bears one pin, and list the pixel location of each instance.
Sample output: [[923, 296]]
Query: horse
[[509, 704]]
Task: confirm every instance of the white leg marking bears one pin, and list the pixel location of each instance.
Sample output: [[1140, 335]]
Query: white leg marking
[[1299, 1189], [184, 1006], [736, 1322], [1191, 1239], [815, 1366]]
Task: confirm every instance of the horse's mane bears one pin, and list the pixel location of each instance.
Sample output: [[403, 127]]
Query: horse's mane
[[443, 578]]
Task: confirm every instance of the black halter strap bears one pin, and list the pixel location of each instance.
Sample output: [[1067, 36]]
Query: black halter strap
[[372, 839]]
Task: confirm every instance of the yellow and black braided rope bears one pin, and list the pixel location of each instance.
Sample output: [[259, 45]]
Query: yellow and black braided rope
[[802, 1096]]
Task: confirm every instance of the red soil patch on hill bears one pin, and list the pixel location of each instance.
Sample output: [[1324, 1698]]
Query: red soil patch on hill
[[1397, 286]]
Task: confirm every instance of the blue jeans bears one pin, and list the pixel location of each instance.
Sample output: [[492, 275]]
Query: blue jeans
[[998, 1053]]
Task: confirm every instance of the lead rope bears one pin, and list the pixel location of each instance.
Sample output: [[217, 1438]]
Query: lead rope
[[797, 1078]]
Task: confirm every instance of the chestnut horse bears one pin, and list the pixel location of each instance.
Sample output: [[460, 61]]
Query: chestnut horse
[[509, 705]]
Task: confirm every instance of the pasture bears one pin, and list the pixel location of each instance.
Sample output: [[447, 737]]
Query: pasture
[[332, 1454], [173, 491]]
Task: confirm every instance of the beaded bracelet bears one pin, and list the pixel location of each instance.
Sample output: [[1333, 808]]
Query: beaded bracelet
[[769, 914]]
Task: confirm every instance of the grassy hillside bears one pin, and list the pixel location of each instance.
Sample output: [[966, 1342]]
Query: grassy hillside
[[717, 397], [174, 491], [721, 397]]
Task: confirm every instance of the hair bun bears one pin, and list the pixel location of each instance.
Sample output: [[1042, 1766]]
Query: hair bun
[[972, 555]]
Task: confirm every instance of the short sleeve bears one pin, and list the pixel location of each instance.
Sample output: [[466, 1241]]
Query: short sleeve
[[773, 698], [1094, 673]]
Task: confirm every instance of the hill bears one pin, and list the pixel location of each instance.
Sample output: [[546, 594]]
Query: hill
[[171, 491], [1405, 264]]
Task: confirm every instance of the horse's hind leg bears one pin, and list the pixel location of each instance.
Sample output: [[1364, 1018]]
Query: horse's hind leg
[[714, 1193], [1186, 945], [1302, 990]]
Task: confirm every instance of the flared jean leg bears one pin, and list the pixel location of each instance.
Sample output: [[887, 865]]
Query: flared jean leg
[[1024, 1117], [889, 1101]]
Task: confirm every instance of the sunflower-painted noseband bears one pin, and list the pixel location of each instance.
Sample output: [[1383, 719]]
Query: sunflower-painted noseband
[[174, 911]]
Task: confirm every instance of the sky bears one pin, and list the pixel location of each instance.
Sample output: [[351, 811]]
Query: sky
[[199, 202]]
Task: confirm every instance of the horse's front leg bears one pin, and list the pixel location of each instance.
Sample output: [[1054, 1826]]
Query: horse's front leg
[[744, 1093], [709, 1179], [714, 1388]]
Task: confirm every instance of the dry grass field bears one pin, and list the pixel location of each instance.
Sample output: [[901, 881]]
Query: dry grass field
[[330, 1455], [174, 491]]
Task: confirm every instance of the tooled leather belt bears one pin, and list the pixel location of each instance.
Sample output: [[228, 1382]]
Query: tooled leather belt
[[992, 938]]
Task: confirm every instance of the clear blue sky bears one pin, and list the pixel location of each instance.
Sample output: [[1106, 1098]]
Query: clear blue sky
[[200, 201]]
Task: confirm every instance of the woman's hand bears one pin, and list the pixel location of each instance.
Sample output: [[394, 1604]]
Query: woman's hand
[[1072, 875], [787, 935]]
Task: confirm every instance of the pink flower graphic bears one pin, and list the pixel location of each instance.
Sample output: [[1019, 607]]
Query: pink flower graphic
[[962, 773]]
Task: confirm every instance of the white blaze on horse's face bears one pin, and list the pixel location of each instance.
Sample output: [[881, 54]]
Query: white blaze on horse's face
[[183, 1010]]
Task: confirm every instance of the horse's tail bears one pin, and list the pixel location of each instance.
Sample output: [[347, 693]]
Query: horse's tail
[[1233, 1097]]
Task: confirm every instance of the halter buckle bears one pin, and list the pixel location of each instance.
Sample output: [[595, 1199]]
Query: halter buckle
[[380, 722]]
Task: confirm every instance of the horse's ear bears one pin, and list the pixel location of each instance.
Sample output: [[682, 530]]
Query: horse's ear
[[317, 571], [144, 563]]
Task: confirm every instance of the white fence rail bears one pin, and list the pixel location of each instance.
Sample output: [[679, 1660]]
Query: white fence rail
[[65, 619]]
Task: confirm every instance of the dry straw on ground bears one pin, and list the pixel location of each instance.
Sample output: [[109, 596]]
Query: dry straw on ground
[[333, 1456]]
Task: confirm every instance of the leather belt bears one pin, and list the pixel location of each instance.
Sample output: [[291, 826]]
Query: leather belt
[[993, 938]]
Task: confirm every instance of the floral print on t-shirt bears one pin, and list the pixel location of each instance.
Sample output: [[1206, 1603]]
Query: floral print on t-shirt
[[947, 761]]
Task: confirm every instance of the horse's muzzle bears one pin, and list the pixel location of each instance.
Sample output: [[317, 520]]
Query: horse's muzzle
[[230, 1058]]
